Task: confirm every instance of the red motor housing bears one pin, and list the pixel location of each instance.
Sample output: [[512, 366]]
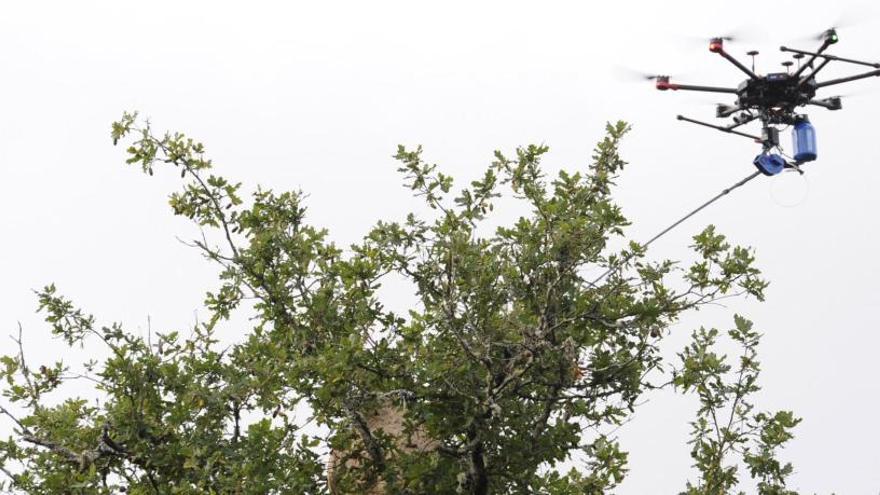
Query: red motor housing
[[663, 83]]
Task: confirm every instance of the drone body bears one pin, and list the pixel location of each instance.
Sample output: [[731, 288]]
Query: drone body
[[773, 99]]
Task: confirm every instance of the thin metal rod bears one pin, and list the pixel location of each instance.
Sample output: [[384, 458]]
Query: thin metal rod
[[702, 206], [663, 232], [737, 63], [875, 65], [728, 130], [848, 79]]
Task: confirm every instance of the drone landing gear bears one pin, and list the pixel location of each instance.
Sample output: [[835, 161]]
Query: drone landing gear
[[769, 163], [726, 129]]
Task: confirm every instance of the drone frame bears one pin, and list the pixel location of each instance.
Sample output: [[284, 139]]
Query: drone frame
[[806, 87]]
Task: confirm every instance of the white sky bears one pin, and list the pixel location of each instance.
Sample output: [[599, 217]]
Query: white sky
[[317, 95]]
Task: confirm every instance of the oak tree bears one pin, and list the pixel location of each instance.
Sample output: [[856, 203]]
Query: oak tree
[[515, 357]]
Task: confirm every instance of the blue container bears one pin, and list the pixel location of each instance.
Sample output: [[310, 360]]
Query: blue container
[[769, 164], [804, 137]]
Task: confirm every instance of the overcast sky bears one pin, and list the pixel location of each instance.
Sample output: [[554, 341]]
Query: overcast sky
[[316, 95]]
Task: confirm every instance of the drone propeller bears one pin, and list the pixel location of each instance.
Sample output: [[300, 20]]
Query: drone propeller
[[829, 34], [741, 34], [846, 20], [851, 18], [725, 37], [629, 74], [651, 77]]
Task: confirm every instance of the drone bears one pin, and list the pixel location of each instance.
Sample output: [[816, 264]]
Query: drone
[[774, 100]]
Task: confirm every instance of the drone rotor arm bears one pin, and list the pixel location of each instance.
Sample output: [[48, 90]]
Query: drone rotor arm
[[716, 45], [738, 64], [812, 75], [691, 87], [842, 80], [812, 59]]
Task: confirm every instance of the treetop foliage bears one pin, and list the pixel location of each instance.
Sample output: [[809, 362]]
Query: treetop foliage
[[512, 361]]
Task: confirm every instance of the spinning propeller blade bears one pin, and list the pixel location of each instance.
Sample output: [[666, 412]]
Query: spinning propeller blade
[[634, 75], [742, 34], [852, 17]]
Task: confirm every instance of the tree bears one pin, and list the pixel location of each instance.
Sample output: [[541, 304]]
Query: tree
[[512, 360]]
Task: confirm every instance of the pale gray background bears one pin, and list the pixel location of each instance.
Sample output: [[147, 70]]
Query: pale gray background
[[317, 95]]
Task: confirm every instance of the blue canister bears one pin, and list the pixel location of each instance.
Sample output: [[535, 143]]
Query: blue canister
[[804, 138]]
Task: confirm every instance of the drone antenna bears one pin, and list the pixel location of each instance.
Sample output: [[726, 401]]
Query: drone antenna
[[798, 57], [787, 64], [752, 54]]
